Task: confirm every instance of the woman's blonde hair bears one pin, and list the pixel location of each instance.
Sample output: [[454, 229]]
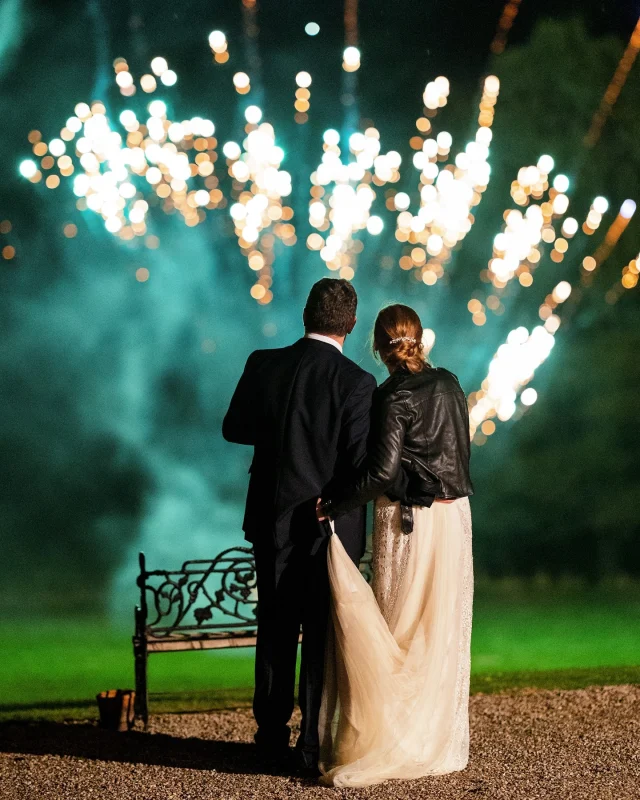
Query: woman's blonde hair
[[397, 339]]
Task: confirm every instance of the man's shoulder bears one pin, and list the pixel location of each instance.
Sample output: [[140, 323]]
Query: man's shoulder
[[267, 353], [354, 371], [335, 364], [332, 358]]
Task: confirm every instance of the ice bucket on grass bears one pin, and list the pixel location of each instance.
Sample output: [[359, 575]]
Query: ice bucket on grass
[[116, 709]]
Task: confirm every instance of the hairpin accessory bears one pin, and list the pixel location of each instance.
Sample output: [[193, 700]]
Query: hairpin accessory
[[403, 339]]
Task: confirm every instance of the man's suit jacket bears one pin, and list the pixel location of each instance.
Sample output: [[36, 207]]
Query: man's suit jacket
[[305, 409]]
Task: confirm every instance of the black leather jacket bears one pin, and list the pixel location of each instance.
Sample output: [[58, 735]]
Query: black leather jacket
[[418, 447]]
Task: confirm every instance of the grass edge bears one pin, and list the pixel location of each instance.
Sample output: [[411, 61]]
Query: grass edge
[[226, 699]]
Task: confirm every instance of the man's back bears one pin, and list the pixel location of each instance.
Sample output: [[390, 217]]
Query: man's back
[[305, 409]]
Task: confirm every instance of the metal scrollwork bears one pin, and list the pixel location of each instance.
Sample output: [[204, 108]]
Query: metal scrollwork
[[208, 596], [188, 600]]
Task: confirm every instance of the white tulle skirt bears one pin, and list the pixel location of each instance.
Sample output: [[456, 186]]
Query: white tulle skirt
[[396, 692]]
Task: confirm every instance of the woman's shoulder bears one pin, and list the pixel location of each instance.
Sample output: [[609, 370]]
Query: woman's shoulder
[[435, 379], [445, 377], [392, 383]]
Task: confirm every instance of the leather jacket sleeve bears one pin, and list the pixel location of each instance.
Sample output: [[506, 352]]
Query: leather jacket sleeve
[[384, 457]]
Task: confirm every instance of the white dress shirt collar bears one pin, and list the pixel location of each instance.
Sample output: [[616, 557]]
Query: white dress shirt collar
[[320, 338]]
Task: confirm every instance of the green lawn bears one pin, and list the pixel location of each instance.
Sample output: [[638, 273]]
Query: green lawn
[[522, 634]]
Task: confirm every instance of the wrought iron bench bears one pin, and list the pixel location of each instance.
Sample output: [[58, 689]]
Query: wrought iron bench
[[206, 604]]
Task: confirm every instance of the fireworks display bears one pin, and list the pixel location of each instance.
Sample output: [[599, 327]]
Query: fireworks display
[[447, 192], [258, 213], [514, 364], [342, 196], [519, 248], [118, 171], [512, 367], [124, 169]]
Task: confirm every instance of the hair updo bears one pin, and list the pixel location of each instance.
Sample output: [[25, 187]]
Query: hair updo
[[400, 323]]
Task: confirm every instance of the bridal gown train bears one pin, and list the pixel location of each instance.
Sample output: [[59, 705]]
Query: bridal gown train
[[396, 694]]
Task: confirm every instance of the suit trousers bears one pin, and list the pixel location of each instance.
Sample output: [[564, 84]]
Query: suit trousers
[[293, 593]]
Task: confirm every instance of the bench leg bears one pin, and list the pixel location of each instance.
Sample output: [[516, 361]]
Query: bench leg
[[142, 697], [140, 655]]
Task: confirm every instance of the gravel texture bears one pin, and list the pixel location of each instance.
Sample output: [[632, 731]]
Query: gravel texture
[[530, 744]]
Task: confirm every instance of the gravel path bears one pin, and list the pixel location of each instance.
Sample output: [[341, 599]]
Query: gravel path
[[527, 745]]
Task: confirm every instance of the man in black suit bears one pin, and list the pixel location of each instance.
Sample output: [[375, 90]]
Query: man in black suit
[[305, 409]]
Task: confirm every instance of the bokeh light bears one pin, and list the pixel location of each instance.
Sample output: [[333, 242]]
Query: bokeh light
[[28, 168], [628, 209], [253, 114], [561, 183], [159, 65], [351, 59]]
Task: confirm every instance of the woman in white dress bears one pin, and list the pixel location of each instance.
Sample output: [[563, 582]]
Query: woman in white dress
[[396, 691]]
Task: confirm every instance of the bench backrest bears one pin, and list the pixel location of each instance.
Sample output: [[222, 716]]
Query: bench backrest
[[204, 596]]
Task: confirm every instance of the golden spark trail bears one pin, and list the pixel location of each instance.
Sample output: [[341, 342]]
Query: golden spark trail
[[612, 93]]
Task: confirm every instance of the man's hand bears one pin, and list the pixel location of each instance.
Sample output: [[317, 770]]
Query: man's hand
[[319, 513]]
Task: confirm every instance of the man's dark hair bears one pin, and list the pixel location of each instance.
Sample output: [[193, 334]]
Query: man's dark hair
[[331, 307]]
